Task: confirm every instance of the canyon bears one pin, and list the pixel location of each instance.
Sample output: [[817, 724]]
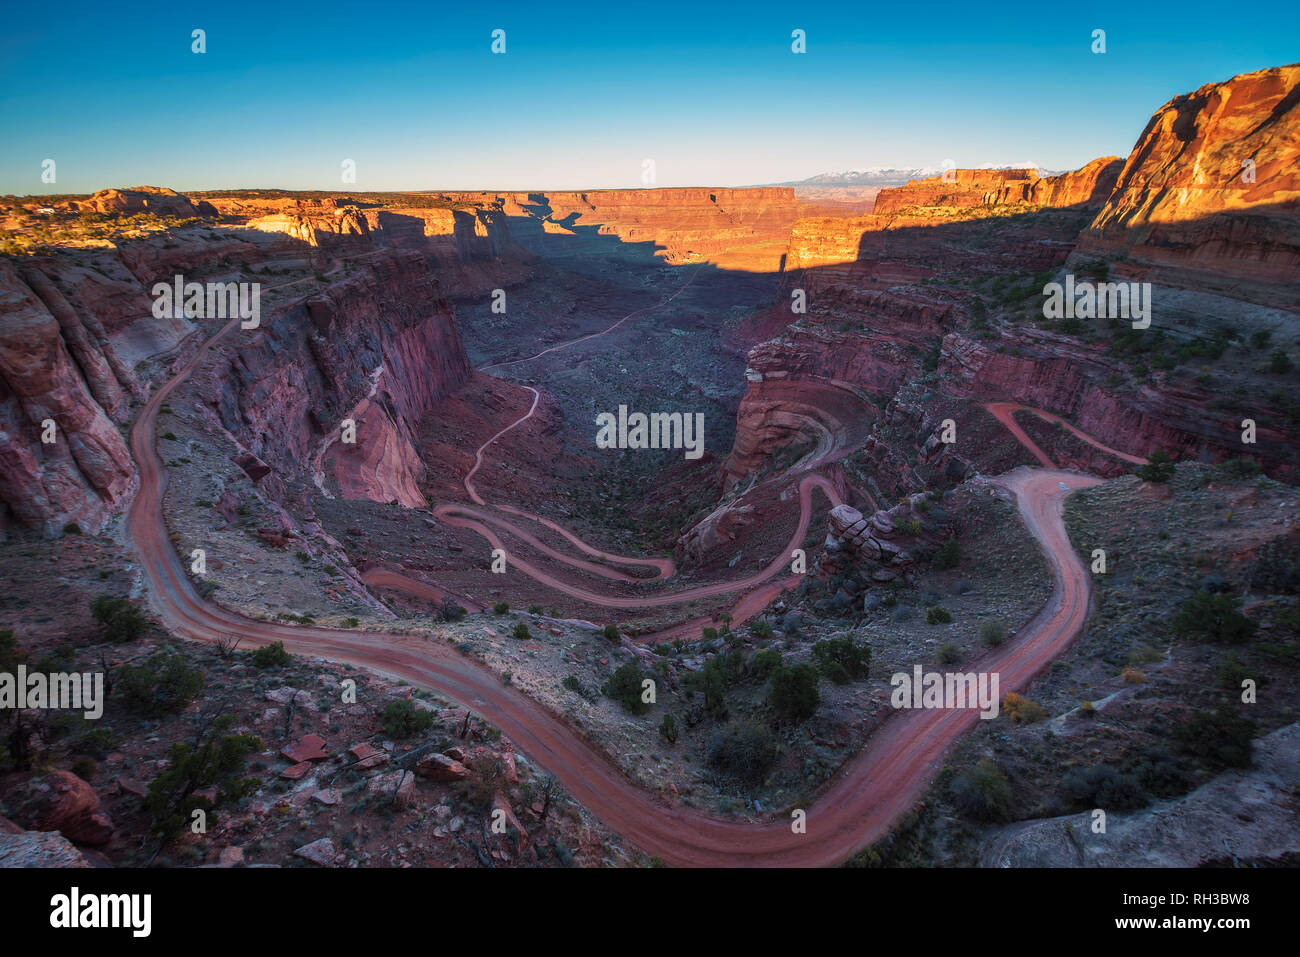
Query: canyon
[[366, 456]]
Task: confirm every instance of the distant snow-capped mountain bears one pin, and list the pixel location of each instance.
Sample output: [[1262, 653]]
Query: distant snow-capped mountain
[[890, 176]]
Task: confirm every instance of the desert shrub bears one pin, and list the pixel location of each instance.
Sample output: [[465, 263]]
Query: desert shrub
[[992, 633], [1102, 786], [624, 686], [710, 633], [793, 694], [948, 555], [853, 659], [521, 631], [1277, 566], [1221, 738], [448, 610], [573, 684], [534, 609], [1232, 671], [1159, 773], [1022, 710], [218, 761], [351, 622], [1279, 362], [766, 661], [1159, 468], [743, 750], [162, 684], [402, 719], [1213, 617], [271, 656], [119, 620], [936, 615], [713, 679], [501, 607], [949, 654], [982, 793], [668, 728], [611, 634], [761, 629], [1240, 468]]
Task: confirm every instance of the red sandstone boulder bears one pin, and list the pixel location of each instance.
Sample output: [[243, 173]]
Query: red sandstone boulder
[[439, 767], [56, 801]]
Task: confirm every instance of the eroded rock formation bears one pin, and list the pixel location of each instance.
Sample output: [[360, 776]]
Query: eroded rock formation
[[1210, 195]]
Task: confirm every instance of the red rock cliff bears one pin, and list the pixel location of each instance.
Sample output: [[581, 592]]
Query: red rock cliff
[[1187, 212]]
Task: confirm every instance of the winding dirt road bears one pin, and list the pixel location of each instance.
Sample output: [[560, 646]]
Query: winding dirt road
[[854, 809]]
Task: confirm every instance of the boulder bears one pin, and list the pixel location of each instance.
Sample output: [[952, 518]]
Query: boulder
[[57, 801]]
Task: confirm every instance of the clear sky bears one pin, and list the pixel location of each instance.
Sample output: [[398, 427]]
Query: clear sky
[[586, 92]]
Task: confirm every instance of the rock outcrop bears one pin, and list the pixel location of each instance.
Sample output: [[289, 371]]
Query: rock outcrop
[[61, 381], [380, 347], [964, 189], [1256, 807], [733, 228], [145, 199], [57, 801], [1210, 196]]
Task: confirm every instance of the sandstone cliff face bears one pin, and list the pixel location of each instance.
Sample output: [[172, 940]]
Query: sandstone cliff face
[[972, 188], [466, 236], [1051, 372], [735, 228], [381, 347], [1186, 212], [316, 229], [58, 365]]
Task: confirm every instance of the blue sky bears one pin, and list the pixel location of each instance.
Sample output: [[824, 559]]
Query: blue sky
[[586, 92]]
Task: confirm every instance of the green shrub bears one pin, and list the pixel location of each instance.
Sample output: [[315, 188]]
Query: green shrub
[[1213, 616], [1160, 773], [501, 607], [624, 686], [1102, 786], [1222, 738], [448, 610], [668, 728], [853, 660], [402, 719], [119, 620], [521, 631], [162, 684], [982, 793], [766, 661], [271, 656], [948, 555], [1159, 468], [794, 695], [611, 634], [949, 654], [743, 750], [992, 633], [218, 761], [935, 615]]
